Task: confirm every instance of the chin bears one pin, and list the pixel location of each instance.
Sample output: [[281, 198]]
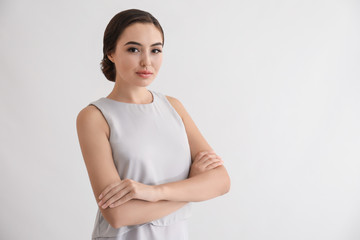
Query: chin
[[144, 83]]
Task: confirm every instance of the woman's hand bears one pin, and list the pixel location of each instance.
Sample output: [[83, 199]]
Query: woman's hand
[[204, 161], [122, 191]]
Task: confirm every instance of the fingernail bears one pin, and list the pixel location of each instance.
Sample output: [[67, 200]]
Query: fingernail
[[104, 206], [100, 196]]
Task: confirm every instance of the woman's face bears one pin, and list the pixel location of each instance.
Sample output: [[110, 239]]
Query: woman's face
[[138, 54]]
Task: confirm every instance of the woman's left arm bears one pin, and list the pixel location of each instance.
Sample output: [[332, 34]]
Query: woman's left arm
[[202, 184], [210, 184]]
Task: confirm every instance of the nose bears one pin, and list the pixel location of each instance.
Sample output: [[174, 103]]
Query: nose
[[145, 59]]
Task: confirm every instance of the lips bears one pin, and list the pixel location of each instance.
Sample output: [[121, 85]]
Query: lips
[[144, 74]]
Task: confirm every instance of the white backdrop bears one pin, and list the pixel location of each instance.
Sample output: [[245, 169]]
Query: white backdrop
[[272, 85]]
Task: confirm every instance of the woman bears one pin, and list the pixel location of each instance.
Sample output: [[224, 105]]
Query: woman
[[145, 157]]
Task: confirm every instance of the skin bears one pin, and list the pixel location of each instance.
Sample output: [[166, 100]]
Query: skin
[[131, 58], [124, 201]]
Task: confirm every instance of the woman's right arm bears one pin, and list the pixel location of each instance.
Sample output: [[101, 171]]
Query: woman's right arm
[[93, 133]]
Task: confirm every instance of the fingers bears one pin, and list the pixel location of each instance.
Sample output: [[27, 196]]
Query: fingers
[[108, 188], [116, 198], [209, 157], [200, 155], [110, 191], [123, 200], [214, 165], [208, 161], [116, 192], [211, 163]]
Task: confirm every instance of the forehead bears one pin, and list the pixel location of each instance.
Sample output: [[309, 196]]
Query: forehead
[[144, 33]]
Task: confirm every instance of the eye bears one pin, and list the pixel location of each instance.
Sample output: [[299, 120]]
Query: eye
[[133, 50], [156, 51]]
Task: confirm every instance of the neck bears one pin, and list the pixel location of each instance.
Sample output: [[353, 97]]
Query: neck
[[131, 94]]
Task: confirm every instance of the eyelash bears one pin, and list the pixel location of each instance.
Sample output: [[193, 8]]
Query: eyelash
[[132, 48]]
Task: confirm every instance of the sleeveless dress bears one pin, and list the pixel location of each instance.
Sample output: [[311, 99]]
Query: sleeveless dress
[[149, 145]]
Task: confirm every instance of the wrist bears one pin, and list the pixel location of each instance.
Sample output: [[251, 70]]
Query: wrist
[[159, 192]]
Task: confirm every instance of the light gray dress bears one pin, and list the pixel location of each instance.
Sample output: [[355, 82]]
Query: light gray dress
[[149, 145]]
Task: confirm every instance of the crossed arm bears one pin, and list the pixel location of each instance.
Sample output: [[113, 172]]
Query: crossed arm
[[126, 202]]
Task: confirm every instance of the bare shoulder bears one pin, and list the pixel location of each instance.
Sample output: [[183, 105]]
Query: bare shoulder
[[197, 141], [179, 107], [91, 117], [93, 134], [173, 100]]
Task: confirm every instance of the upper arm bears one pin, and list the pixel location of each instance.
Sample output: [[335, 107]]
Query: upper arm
[[93, 132], [196, 140]]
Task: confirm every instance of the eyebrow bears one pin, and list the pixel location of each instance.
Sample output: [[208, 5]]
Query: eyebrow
[[136, 43]]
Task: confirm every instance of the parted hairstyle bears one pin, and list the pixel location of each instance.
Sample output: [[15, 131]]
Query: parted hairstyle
[[113, 31]]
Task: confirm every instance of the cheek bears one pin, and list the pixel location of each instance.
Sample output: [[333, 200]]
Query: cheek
[[126, 63], [158, 62]]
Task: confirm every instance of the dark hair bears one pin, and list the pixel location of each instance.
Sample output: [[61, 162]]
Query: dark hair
[[115, 28]]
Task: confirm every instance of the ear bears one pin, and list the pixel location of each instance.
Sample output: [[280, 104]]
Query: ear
[[110, 57]]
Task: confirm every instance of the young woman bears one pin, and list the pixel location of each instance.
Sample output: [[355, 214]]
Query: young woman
[[145, 157]]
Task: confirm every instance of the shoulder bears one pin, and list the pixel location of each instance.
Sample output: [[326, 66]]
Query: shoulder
[[179, 107], [174, 101], [196, 140], [90, 118], [88, 114]]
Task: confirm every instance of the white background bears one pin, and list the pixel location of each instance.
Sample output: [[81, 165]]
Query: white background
[[272, 85]]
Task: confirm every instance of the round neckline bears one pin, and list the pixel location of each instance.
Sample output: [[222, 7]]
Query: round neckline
[[138, 104]]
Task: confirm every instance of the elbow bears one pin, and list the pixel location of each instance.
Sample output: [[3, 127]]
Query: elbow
[[116, 224], [226, 185], [120, 216], [114, 220], [225, 182]]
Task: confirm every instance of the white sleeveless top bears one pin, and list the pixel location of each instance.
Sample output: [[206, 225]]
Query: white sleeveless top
[[149, 145]]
